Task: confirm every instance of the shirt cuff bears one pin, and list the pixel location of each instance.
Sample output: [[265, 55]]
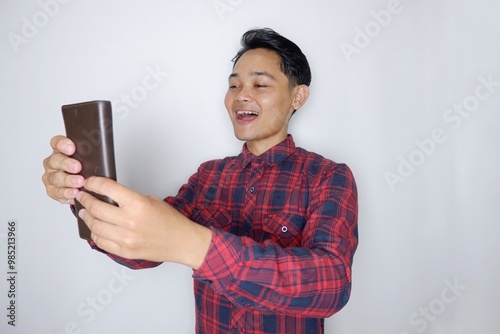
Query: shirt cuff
[[221, 261]]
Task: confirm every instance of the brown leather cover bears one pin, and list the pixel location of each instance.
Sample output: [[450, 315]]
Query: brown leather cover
[[90, 126]]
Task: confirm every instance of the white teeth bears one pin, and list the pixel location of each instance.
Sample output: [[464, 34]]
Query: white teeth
[[247, 113]]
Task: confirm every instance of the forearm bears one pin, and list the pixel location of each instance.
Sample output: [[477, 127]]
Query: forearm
[[190, 243]]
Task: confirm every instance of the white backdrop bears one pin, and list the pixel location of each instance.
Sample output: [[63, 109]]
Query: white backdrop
[[407, 93]]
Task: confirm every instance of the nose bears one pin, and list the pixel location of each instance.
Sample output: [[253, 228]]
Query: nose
[[243, 95]]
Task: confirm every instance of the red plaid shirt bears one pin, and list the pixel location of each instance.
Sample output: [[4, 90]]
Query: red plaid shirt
[[284, 234]]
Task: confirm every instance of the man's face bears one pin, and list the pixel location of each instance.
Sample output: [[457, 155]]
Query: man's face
[[260, 100]]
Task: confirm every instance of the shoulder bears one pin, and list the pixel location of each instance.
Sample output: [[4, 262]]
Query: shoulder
[[322, 172], [315, 163], [218, 164]]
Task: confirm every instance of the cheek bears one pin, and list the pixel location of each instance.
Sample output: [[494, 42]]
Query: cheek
[[265, 102], [275, 101], [228, 101], [279, 108]]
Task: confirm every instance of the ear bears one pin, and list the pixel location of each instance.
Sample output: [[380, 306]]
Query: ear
[[301, 93]]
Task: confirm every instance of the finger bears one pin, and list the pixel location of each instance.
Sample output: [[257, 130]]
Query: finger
[[105, 244], [63, 195], [98, 209], [64, 190], [104, 234], [112, 189], [60, 179], [59, 161], [68, 195], [63, 144]]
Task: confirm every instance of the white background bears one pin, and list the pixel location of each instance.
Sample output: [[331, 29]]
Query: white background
[[368, 108]]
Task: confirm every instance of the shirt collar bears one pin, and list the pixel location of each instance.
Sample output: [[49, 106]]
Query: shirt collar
[[272, 156]]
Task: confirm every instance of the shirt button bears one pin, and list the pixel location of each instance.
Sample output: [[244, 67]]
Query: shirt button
[[284, 229], [210, 220], [252, 189], [236, 331]]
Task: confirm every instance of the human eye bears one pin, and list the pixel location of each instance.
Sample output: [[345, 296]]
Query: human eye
[[233, 85]]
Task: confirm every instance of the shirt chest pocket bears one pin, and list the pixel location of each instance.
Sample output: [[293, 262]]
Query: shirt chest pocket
[[216, 217], [284, 229]]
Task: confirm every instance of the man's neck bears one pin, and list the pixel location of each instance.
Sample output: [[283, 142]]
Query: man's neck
[[259, 147]]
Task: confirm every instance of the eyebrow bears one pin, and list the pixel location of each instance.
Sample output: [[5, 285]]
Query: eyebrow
[[254, 74]]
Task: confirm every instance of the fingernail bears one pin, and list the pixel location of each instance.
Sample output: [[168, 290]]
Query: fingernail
[[72, 167], [66, 148], [73, 193], [77, 181]]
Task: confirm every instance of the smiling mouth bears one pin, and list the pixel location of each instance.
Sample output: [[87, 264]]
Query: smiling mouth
[[246, 116]]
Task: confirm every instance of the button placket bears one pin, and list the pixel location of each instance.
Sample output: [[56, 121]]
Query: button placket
[[256, 174]]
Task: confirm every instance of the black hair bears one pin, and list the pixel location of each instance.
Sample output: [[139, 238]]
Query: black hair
[[293, 64]]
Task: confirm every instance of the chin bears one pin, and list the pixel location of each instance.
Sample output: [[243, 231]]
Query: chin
[[241, 137]]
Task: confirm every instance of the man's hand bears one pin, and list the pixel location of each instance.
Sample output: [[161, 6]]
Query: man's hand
[[141, 227], [59, 181]]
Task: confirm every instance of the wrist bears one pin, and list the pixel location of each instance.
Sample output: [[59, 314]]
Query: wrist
[[193, 245]]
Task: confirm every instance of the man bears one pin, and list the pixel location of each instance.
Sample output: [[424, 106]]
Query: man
[[270, 233]]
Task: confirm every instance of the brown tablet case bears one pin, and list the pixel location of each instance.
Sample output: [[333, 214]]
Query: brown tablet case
[[90, 126]]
